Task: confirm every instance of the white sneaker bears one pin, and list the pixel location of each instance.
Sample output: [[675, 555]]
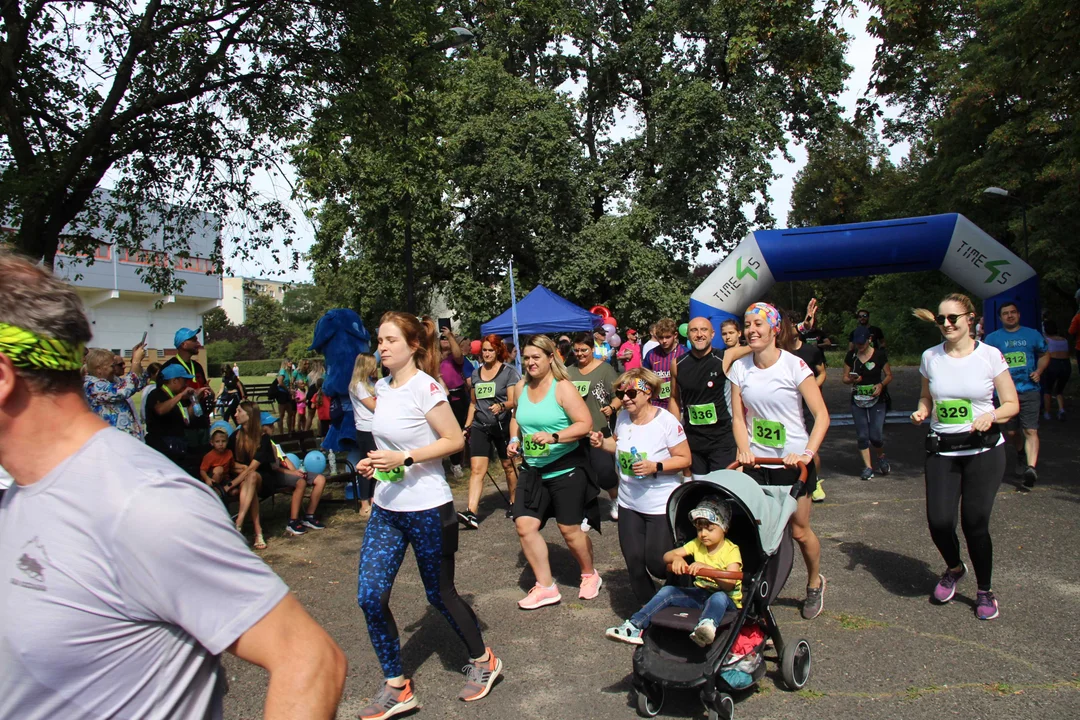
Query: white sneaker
[[456, 470], [614, 511], [585, 527], [704, 633]]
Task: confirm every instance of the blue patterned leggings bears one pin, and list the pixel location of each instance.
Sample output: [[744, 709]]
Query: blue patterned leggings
[[433, 535]]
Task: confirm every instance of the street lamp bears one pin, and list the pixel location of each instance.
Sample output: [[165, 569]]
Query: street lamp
[[456, 37], [1002, 192]]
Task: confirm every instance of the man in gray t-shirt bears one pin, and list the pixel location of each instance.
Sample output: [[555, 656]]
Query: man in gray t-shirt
[[123, 579]]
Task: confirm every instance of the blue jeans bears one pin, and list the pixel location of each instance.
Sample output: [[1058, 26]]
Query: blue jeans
[[713, 604], [869, 424]]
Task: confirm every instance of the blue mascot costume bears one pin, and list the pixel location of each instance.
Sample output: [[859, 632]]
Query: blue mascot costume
[[340, 336]]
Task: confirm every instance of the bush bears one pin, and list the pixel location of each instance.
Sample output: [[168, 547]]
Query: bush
[[220, 352], [259, 367], [298, 350]]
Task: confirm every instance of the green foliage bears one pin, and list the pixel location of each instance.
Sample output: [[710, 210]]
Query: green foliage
[[219, 352], [298, 348], [259, 368], [216, 323]]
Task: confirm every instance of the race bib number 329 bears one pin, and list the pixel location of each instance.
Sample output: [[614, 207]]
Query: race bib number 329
[[953, 412], [769, 433]]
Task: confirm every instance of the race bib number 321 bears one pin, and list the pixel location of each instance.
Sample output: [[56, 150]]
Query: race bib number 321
[[769, 433]]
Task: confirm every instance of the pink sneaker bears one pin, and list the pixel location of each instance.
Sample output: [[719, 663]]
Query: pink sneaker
[[590, 585], [540, 596]]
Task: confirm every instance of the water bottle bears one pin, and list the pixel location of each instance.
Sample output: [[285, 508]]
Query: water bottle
[[196, 407], [636, 458]]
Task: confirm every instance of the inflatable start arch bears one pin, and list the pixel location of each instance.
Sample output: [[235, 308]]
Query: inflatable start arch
[[949, 243]]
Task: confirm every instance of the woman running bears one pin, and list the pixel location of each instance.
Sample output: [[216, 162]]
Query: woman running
[[362, 395], [551, 418], [769, 387], [652, 452], [414, 429], [965, 451], [595, 382], [493, 395], [867, 370], [1057, 372]]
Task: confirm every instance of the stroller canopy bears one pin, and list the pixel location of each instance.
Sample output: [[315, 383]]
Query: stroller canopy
[[771, 506]]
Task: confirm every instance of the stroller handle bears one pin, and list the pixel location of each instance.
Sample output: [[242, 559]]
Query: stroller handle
[[796, 489], [714, 574]]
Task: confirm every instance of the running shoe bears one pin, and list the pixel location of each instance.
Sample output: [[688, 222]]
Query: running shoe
[[509, 514], [590, 585], [627, 633], [540, 596], [704, 633], [883, 466], [468, 519], [1046, 414], [312, 523], [946, 587], [1031, 476], [815, 600], [585, 526], [1061, 415], [614, 511], [389, 702], [986, 605], [457, 471], [867, 474], [819, 494], [480, 675], [295, 527]]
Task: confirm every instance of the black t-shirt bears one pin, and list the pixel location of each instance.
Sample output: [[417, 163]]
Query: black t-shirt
[[813, 337], [812, 355], [264, 453], [876, 335], [871, 370], [171, 424], [701, 383], [198, 383]]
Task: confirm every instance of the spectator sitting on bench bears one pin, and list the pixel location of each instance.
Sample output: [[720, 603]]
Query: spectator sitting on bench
[[217, 464], [246, 444]]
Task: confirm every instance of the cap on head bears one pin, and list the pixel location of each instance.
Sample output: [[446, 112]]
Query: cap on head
[[222, 426], [861, 335], [268, 418], [712, 510], [184, 334], [176, 370]]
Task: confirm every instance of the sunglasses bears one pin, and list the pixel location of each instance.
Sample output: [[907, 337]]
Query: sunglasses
[[940, 319], [631, 393], [863, 315]]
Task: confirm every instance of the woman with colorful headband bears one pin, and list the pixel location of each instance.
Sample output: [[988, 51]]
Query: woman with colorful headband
[[109, 389], [768, 388]]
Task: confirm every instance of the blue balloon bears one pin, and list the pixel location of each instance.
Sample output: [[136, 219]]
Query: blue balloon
[[315, 462], [295, 460]]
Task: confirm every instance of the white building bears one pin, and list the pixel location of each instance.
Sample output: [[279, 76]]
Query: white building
[[239, 292]]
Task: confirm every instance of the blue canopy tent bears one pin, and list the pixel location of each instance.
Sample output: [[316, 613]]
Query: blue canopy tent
[[541, 311]]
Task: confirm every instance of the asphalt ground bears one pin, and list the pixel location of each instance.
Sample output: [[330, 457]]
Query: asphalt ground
[[880, 649]]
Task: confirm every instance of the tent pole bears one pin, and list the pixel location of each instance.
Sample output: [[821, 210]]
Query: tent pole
[[513, 316]]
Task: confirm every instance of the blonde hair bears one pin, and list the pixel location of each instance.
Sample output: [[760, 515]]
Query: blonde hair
[[363, 369], [99, 363], [958, 298], [548, 347], [639, 373]]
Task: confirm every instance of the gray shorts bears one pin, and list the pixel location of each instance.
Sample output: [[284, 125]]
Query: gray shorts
[[1030, 407]]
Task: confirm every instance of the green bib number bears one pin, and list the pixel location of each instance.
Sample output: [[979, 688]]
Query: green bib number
[[866, 390], [769, 433], [532, 449], [954, 412], [626, 462], [582, 387], [702, 414], [665, 390], [1016, 359], [391, 476], [484, 390]]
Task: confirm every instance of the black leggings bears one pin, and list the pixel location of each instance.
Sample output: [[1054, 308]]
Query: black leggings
[[459, 403], [970, 482], [644, 539]]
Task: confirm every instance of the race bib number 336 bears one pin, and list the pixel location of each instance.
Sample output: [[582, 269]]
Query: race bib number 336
[[702, 414], [769, 433]]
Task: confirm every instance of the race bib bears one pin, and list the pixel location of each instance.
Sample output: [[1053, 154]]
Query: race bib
[[582, 387], [769, 433], [391, 476], [1016, 359], [532, 449], [665, 390], [626, 462], [484, 390], [953, 412], [867, 390], [702, 414]]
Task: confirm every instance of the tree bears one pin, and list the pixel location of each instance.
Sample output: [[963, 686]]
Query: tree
[[266, 320], [216, 323], [182, 102]]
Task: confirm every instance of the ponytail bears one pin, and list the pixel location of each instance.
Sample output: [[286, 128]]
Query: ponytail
[[959, 298], [422, 337], [924, 315]]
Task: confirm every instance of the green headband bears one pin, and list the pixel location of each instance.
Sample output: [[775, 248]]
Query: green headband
[[30, 351]]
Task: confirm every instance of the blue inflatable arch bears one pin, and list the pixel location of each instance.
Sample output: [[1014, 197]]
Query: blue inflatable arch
[[949, 243]]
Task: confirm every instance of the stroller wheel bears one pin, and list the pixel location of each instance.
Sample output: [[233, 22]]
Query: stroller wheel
[[795, 664], [650, 698], [725, 708]]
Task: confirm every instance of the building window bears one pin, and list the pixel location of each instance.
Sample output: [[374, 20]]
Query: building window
[[102, 251]]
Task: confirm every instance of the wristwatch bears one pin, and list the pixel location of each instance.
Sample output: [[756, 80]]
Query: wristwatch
[[408, 460], [555, 437], [659, 467]]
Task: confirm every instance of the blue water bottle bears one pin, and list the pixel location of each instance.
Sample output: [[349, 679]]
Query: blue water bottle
[[636, 459]]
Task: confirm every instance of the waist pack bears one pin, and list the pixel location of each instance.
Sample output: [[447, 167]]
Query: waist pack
[[950, 442]]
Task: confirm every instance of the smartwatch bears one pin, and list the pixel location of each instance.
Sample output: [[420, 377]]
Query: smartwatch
[[408, 460], [659, 467], [555, 437]]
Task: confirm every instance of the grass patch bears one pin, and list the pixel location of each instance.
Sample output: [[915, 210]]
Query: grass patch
[[1001, 688], [575, 606], [914, 693], [809, 694], [854, 622]]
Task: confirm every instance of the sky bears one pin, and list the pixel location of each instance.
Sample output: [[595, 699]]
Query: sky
[[860, 55]]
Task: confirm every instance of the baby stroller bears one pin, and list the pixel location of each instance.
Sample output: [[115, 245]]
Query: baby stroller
[[760, 526]]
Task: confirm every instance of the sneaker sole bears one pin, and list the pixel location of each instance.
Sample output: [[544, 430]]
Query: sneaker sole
[[947, 600], [296, 533], [490, 683], [997, 612], [821, 607], [702, 640], [401, 707], [471, 524], [543, 603], [625, 639], [599, 584], [817, 499], [309, 526]]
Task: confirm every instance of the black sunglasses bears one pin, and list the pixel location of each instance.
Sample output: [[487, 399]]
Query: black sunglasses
[[940, 319], [863, 315], [631, 393]]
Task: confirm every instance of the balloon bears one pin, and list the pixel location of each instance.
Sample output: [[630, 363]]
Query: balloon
[[610, 320], [608, 328], [294, 459], [314, 462], [474, 347], [682, 329], [615, 341], [599, 310]]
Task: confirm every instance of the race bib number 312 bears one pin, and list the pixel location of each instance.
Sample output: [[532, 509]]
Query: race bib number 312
[[1016, 359]]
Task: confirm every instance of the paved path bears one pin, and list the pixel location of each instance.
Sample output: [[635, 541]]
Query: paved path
[[880, 649]]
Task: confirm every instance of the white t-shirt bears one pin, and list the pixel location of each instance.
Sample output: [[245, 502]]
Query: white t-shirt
[[400, 423], [962, 388], [361, 415], [648, 347], [653, 441], [5, 479], [125, 582], [773, 404]]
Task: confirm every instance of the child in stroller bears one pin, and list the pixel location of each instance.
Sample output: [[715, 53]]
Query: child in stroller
[[714, 597]]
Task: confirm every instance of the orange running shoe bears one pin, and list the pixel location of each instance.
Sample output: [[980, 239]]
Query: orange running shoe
[[480, 675]]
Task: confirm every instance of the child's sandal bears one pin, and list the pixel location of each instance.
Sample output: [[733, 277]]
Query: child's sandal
[[260, 543]]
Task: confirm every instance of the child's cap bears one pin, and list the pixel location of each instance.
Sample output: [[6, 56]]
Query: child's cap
[[221, 426], [268, 418], [712, 510]]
